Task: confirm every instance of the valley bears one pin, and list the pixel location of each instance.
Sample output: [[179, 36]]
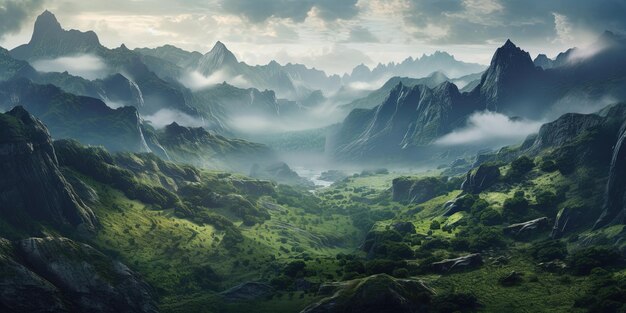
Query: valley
[[170, 180]]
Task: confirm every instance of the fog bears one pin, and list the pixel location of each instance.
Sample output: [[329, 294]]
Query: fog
[[165, 117], [490, 129], [87, 66], [196, 81]]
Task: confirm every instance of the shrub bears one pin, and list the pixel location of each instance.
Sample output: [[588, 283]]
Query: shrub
[[400, 273], [454, 302], [548, 166], [490, 217], [548, 250], [583, 261], [295, 269], [515, 207], [519, 167], [435, 225], [546, 201]]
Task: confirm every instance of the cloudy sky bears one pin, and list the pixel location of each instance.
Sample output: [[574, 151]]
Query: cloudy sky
[[334, 35]]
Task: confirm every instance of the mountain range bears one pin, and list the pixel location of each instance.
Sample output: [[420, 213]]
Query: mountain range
[[411, 119]]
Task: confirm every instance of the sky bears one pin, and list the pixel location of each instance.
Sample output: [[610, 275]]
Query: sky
[[333, 35]]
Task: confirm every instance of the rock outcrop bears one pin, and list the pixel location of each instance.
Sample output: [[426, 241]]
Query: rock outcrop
[[527, 228], [469, 261], [60, 275], [481, 178], [614, 208], [32, 186], [570, 219], [416, 190], [375, 294]]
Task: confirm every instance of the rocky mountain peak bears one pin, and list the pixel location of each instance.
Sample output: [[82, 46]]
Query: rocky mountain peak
[[47, 23]]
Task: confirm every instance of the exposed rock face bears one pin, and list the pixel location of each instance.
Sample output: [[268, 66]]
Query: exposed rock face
[[410, 117], [528, 228], [481, 178], [248, 291], [333, 175], [461, 263], [31, 184], [376, 294], [458, 204], [571, 218], [416, 190], [202, 148], [85, 119], [21, 290], [614, 208], [60, 275], [563, 130]]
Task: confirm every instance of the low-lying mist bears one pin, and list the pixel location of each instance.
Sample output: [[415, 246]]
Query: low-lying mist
[[165, 117], [87, 66], [196, 81], [490, 129]]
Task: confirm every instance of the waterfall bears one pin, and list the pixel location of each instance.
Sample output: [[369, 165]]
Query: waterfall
[[139, 93]]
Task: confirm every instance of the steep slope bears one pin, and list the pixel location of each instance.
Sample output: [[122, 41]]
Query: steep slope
[[376, 97], [33, 187], [410, 117], [86, 119], [50, 41], [60, 275], [199, 147]]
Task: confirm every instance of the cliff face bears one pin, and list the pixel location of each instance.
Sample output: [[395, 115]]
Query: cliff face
[[31, 184], [614, 209], [60, 275]]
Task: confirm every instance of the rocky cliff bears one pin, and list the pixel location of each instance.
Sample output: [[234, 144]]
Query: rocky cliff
[[31, 184], [60, 275]]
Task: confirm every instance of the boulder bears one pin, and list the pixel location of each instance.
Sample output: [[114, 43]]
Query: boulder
[[480, 178], [416, 190], [461, 263], [527, 228], [376, 294], [460, 203], [248, 291]]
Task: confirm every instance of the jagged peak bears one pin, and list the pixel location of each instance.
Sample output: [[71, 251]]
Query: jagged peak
[[47, 22], [439, 75]]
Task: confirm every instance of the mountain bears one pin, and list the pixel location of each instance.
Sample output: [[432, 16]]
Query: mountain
[[510, 71], [512, 85], [408, 118], [200, 148], [377, 96], [292, 81], [85, 119], [410, 67], [50, 41], [33, 186]]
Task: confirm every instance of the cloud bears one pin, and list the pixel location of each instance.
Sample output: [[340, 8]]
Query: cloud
[[258, 11], [337, 58], [361, 34], [487, 128], [484, 21], [86, 65], [196, 81], [165, 117], [14, 13]]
